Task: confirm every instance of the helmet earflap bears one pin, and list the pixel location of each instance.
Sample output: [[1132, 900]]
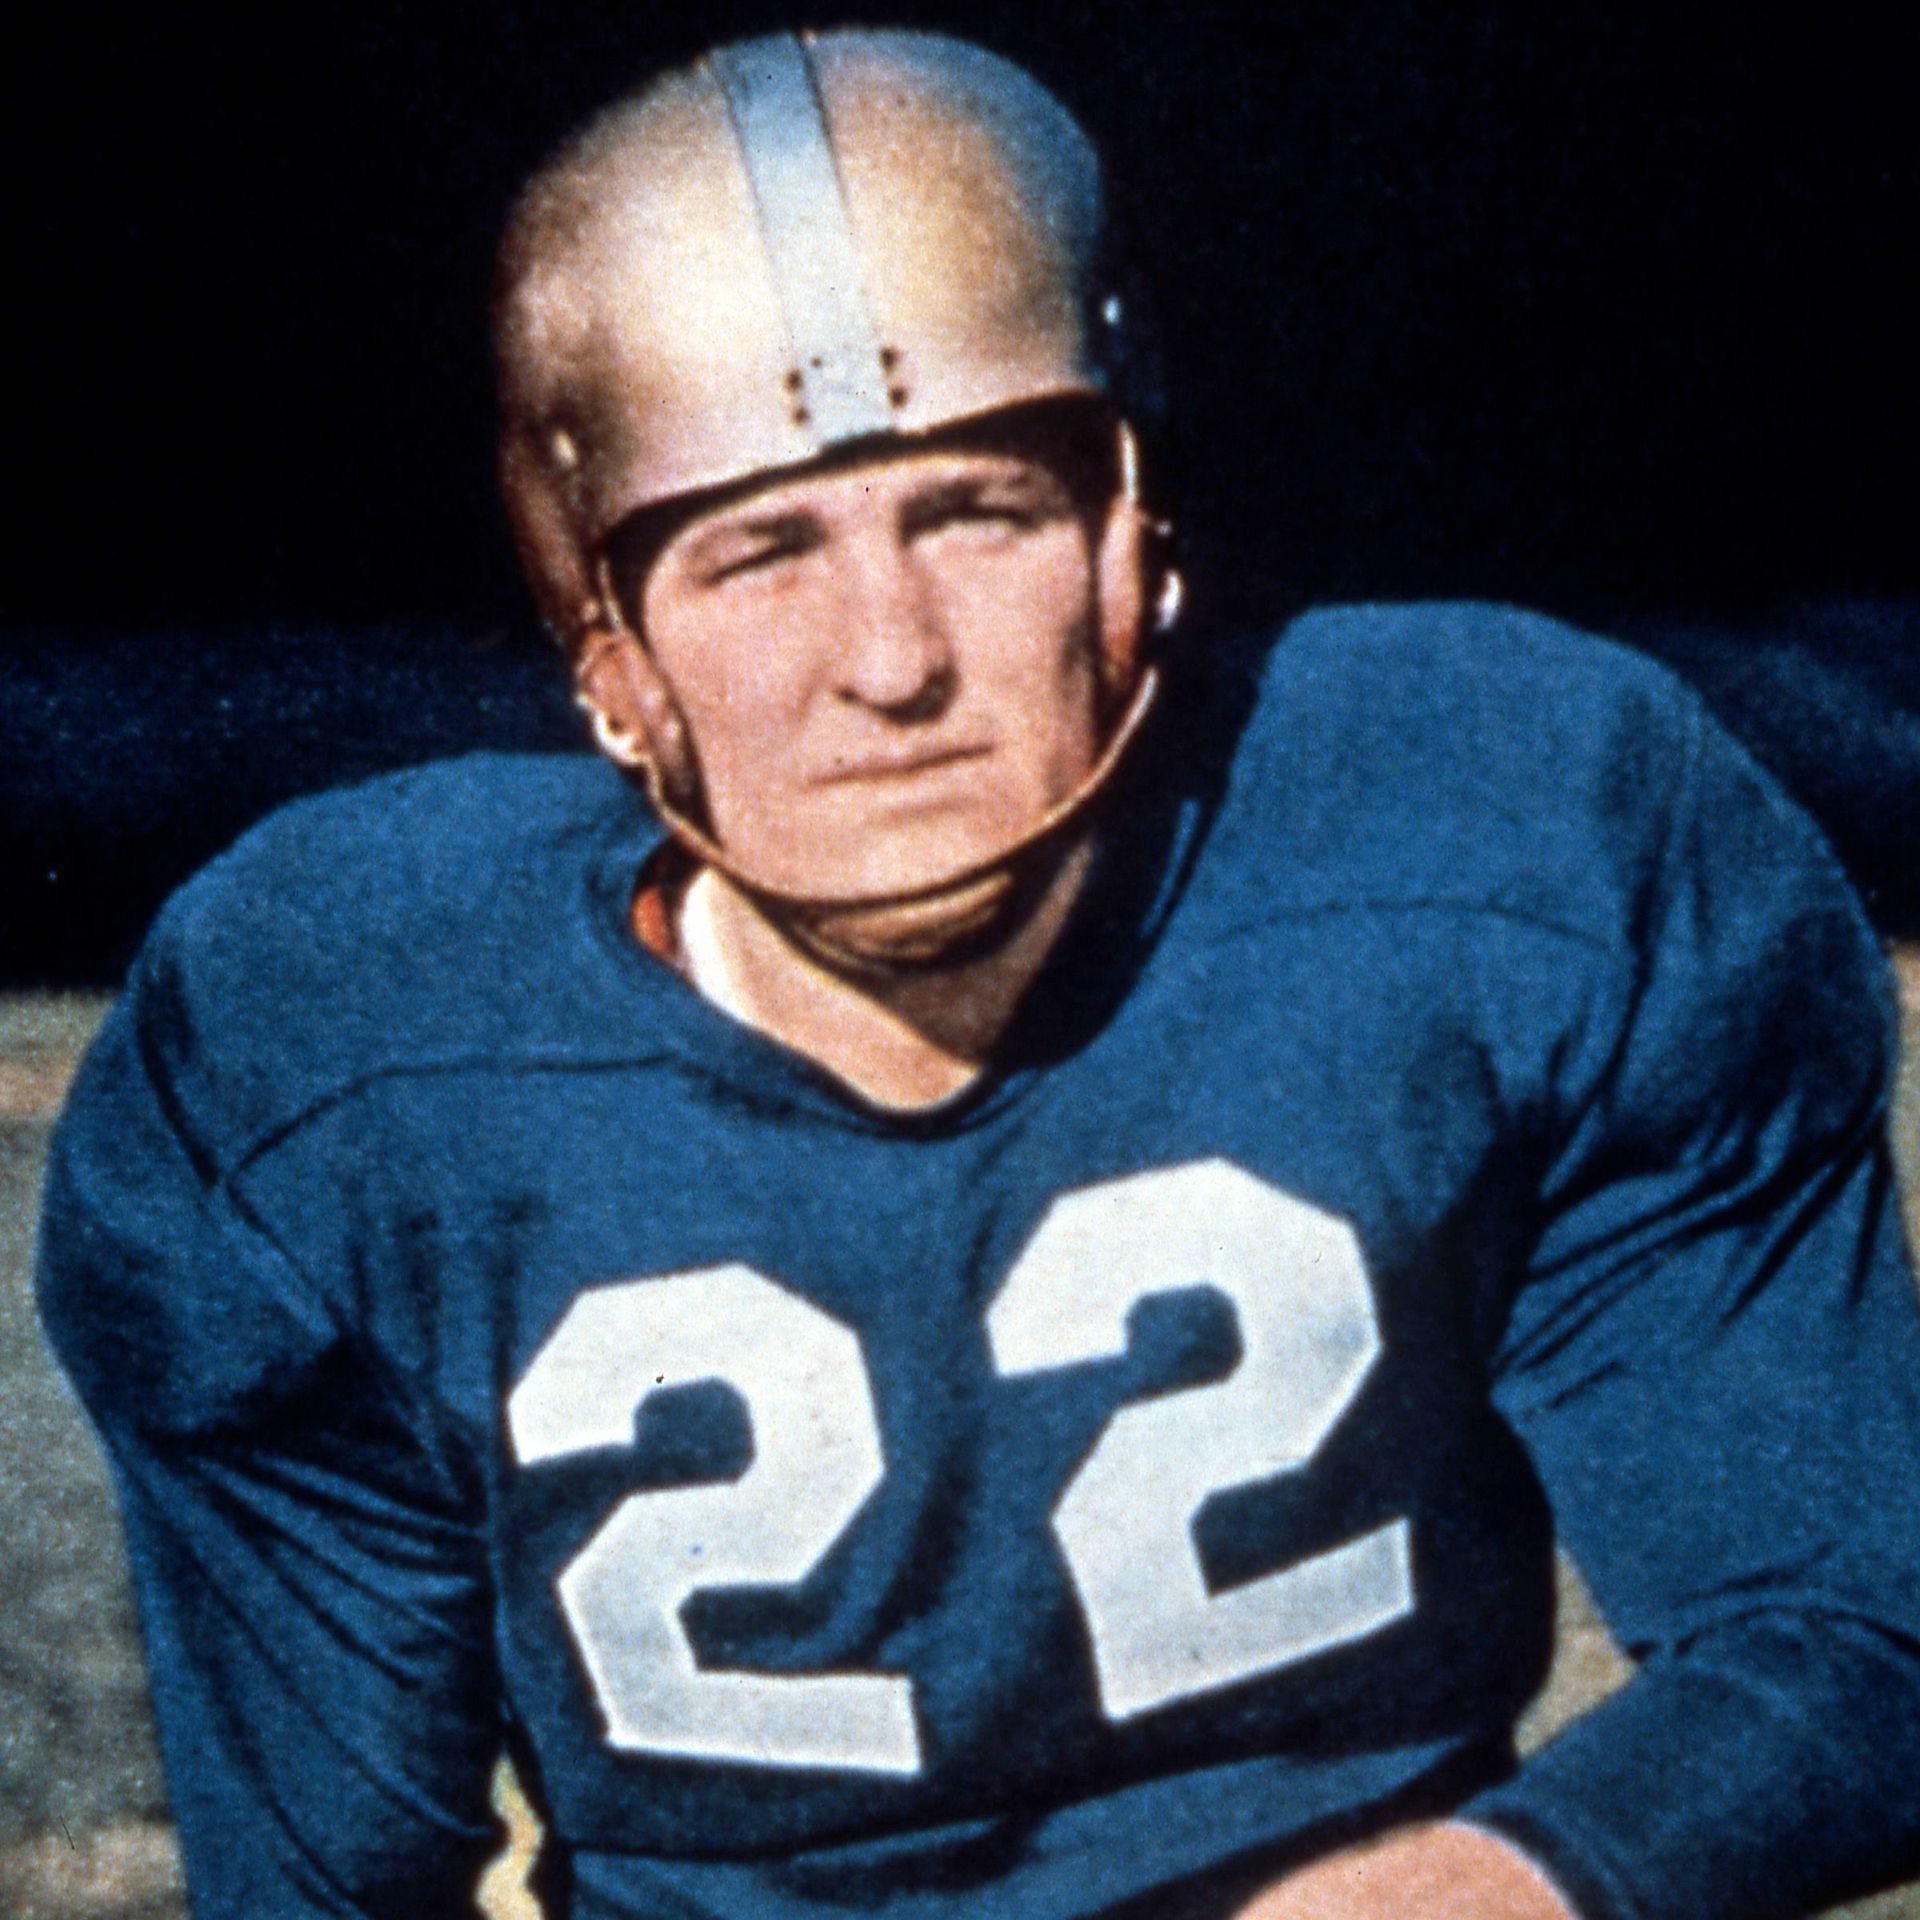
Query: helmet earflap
[[547, 542], [1140, 590], [635, 720]]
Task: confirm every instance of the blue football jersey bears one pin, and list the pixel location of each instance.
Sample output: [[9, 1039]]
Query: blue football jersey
[[1453, 1114]]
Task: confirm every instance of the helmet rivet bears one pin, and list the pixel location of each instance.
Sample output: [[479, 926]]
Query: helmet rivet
[[801, 416], [1110, 310], [795, 380], [889, 358], [896, 396], [564, 450]]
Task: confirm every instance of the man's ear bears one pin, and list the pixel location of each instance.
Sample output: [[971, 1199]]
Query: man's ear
[[635, 720]]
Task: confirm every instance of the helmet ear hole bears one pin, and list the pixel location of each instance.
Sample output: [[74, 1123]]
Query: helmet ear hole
[[1170, 601]]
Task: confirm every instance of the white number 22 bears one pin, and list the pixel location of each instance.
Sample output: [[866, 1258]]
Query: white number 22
[[1300, 1295]]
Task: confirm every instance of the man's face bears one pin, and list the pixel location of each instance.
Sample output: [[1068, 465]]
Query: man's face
[[889, 670]]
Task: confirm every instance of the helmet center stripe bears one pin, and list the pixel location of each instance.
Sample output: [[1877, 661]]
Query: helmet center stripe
[[811, 254]]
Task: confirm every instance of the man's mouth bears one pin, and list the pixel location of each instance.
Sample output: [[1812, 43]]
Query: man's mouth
[[902, 763]]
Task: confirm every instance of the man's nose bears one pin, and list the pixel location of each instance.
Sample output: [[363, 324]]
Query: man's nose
[[895, 655]]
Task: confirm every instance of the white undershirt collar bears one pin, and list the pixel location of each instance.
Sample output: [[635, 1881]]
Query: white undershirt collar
[[710, 969]]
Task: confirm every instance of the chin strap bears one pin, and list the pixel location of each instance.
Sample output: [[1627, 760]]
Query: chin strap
[[918, 925]]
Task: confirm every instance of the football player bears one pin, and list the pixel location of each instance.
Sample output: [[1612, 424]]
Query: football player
[[991, 1306]]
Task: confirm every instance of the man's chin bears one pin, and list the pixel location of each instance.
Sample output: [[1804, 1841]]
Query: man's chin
[[907, 902], [937, 926], [878, 867]]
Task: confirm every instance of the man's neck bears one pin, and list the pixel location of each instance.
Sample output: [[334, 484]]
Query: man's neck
[[905, 1040]]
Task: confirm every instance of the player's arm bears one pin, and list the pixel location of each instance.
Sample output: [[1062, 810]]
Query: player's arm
[[1447, 1870], [1715, 1364], [312, 1595]]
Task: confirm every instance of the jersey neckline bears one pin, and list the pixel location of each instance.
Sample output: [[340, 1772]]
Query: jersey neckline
[[1131, 887]]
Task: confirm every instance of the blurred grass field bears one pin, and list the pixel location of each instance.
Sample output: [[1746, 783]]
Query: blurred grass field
[[83, 1826]]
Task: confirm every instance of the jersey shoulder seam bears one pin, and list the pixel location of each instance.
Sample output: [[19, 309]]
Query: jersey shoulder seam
[[1413, 904], [275, 1132]]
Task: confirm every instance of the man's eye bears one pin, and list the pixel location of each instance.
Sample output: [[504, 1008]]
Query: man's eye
[[982, 512], [752, 561]]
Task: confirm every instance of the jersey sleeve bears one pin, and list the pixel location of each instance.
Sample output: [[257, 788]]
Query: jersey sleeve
[[311, 1587], [1715, 1366]]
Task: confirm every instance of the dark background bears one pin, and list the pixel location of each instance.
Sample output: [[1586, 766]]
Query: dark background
[[1602, 308]]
